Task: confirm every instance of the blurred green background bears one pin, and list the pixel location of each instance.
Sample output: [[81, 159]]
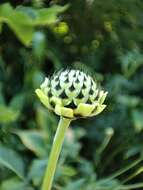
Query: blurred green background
[[105, 38]]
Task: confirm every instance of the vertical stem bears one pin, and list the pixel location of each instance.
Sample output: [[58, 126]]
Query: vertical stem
[[54, 155]]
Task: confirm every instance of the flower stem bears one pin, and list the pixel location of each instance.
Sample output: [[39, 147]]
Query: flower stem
[[54, 155]]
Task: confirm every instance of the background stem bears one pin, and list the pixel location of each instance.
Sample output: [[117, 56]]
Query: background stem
[[54, 155]]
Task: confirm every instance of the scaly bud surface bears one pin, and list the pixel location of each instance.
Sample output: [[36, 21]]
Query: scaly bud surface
[[72, 94]]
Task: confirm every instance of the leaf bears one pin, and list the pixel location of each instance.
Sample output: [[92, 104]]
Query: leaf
[[131, 61], [0, 27], [77, 184], [23, 32], [67, 171], [137, 118], [133, 151], [23, 24], [37, 170], [39, 46], [86, 168], [128, 101], [17, 22], [14, 184], [45, 119], [43, 16], [8, 114], [125, 169], [17, 101], [106, 184], [48, 16], [34, 141], [2, 101], [11, 160], [134, 174]]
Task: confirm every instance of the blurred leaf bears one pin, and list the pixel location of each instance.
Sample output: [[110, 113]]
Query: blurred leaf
[[131, 186], [127, 100], [137, 118], [71, 145], [18, 22], [23, 24], [134, 174], [42, 117], [14, 184], [17, 102], [67, 171], [2, 102], [37, 78], [79, 132], [39, 45], [48, 16], [76, 184], [133, 151], [43, 16], [11, 160], [109, 132], [8, 114], [52, 54], [45, 120], [0, 27], [131, 61], [86, 168], [37, 170], [125, 169], [35, 141], [106, 184]]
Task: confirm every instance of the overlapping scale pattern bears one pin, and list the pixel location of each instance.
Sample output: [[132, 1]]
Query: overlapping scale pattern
[[72, 89], [72, 86]]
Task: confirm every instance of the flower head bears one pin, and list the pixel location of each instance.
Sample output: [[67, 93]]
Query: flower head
[[72, 94]]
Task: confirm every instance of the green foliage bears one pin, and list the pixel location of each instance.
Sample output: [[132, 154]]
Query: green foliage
[[34, 141], [10, 159], [23, 20], [7, 114], [101, 153], [15, 184]]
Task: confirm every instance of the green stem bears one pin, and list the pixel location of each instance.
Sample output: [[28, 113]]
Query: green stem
[[54, 155]]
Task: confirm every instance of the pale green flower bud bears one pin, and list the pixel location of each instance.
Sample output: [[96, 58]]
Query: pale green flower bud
[[72, 94]]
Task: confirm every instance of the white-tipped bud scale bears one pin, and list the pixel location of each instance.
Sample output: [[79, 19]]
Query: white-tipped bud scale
[[72, 94]]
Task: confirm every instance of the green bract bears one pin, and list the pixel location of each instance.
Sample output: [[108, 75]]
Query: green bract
[[72, 94]]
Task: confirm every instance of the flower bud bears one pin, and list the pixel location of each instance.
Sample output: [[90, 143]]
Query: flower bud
[[72, 94]]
